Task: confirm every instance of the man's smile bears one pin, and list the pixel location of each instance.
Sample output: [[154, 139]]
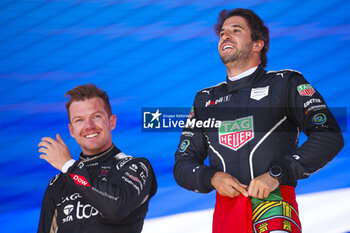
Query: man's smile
[[227, 46], [91, 135]]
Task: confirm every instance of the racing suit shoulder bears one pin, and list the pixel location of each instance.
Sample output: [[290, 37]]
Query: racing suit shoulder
[[137, 174], [284, 71], [138, 167], [287, 75], [205, 96], [208, 90]]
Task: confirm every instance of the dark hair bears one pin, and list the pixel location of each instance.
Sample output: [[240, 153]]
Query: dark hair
[[258, 29], [88, 91]]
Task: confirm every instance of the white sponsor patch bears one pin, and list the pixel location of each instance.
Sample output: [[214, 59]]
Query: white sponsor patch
[[311, 101], [259, 93]]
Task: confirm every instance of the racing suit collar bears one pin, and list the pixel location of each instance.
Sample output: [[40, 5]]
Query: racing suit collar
[[246, 81], [111, 151]]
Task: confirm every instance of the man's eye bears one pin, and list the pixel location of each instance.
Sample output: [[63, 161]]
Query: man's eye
[[78, 120], [97, 116]]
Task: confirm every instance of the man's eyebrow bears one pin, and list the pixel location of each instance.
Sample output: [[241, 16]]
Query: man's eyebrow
[[74, 117], [233, 26], [79, 116]]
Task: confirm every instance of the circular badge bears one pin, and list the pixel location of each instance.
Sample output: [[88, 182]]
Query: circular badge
[[319, 119], [184, 144]]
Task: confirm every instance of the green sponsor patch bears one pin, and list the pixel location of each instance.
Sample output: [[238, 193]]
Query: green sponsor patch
[[306, 90], [235, 134]]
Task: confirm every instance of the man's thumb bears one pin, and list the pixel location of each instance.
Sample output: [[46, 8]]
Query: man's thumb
[[58, 137]]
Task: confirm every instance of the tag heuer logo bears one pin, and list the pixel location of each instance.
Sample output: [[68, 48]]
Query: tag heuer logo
[[306, 90], [235, 134]]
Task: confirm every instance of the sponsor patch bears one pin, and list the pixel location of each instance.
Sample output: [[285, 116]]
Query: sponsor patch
[[143, 177], [315, 108], [67, 210], [184, 144], [104, 172], [218, 101], [91, 165], [235, 134], [132, 184], [134, 178], [311, 101], [305, 90], [81, 165], [144, 167], [123, 162], [187, 134], [133, 167], [85, 211], [259, 93], [80, 180], [72, 197], [319, 119]]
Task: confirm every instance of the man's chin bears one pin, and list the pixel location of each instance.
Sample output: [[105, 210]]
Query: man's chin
[[228, 59]]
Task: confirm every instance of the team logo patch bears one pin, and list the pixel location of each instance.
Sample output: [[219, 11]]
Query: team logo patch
[[306, 90], [184, 144], [259, 93], [319, 119], [235, 134]]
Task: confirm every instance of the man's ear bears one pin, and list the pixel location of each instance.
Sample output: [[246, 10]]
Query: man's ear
[[113, 121], [258, 45], [70, 129]]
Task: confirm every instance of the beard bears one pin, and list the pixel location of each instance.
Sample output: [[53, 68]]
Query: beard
[[240, 56]]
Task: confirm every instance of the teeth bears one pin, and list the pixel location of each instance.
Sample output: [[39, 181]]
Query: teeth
[[228, 47], [91, 135]]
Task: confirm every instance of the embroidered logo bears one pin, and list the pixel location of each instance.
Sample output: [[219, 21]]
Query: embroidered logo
[[235, 134], [306, 90], [184, 144], [259, 93], [80, 180]]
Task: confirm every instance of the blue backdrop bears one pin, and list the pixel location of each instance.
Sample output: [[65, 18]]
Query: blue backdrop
[[144, 54]]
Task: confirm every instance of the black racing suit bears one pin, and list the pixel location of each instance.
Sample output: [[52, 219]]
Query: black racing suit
[[261, 117], [108, 192]]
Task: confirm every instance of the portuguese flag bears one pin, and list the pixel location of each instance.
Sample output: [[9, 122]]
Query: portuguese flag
[[279, 211], [232, 215]]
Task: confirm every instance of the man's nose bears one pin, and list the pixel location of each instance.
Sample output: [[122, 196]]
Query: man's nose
[[226, 36], [90, 123]]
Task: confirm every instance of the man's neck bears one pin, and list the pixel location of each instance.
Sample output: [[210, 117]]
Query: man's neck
[[234, 69], [243, 74]]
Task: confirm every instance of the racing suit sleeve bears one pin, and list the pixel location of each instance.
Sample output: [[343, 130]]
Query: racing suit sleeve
[[189, 171], [130, 184], [48, 216], [308, 110]]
